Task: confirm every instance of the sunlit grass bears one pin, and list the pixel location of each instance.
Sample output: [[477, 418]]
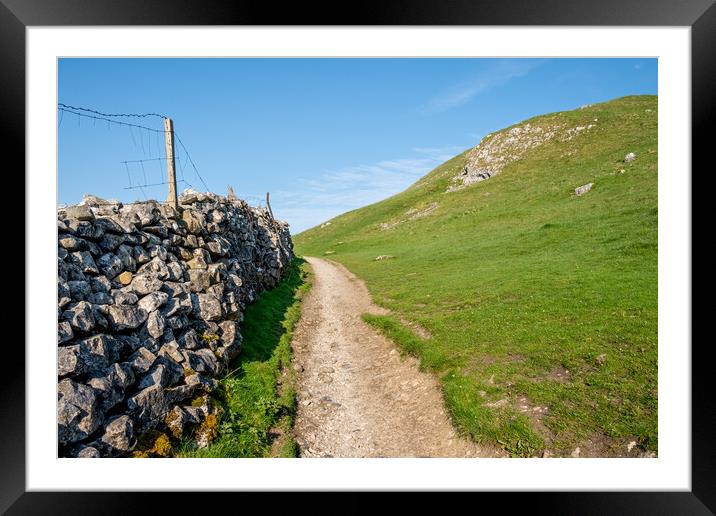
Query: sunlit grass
[[516, 278], [257, 398]]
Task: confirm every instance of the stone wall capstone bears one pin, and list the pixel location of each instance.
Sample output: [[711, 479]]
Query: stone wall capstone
[[149, 304]]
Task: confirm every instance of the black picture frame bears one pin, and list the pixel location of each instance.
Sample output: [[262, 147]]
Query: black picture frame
[[700, 15]]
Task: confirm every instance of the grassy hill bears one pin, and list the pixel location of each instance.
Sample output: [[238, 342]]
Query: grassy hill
[[536, 307]]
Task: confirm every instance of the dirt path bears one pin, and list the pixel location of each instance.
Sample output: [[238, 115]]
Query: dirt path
[[356, 396]]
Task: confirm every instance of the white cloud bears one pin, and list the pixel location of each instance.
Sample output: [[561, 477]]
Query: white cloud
[[337, 191], [497, 73]]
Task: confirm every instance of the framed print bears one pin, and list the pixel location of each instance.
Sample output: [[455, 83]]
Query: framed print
[[454, 253]]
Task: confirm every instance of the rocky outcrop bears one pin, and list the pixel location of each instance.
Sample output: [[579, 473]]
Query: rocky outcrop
[[149, 302], [498, 150]]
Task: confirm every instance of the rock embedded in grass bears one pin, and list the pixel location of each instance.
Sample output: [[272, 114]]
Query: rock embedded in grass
[[581, 190]]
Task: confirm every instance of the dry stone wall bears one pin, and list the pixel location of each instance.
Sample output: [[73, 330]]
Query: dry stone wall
[[149, 304]]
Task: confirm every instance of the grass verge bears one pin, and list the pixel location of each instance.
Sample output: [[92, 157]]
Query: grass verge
[[257, 397]]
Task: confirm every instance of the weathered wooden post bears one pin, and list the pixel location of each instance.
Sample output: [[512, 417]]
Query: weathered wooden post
[[268, 205], [171, 169]]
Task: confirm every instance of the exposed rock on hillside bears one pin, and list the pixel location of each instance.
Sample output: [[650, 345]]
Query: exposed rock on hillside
[[581, 190], [149, 301], [500, 149], [411, 214]]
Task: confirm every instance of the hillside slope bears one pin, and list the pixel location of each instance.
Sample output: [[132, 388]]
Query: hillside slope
[[536, 307]]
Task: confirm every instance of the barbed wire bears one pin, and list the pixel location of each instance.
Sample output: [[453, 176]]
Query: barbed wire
[[143, 193], [136, 115], [95, 115], [146, 159], [108, 120], [182, 164], [152, 184], [191, 161], [144, 171]]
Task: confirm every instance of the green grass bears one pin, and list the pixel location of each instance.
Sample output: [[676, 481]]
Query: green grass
[[518, 279], [257, 397]]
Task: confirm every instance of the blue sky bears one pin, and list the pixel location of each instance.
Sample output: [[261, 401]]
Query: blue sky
[[324, 136]]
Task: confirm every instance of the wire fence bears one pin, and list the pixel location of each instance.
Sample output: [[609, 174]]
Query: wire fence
[[135, 115], [149, 171]]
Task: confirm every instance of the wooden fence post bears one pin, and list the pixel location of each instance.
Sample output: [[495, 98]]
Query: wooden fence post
[[268, 205], [171, 169]]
